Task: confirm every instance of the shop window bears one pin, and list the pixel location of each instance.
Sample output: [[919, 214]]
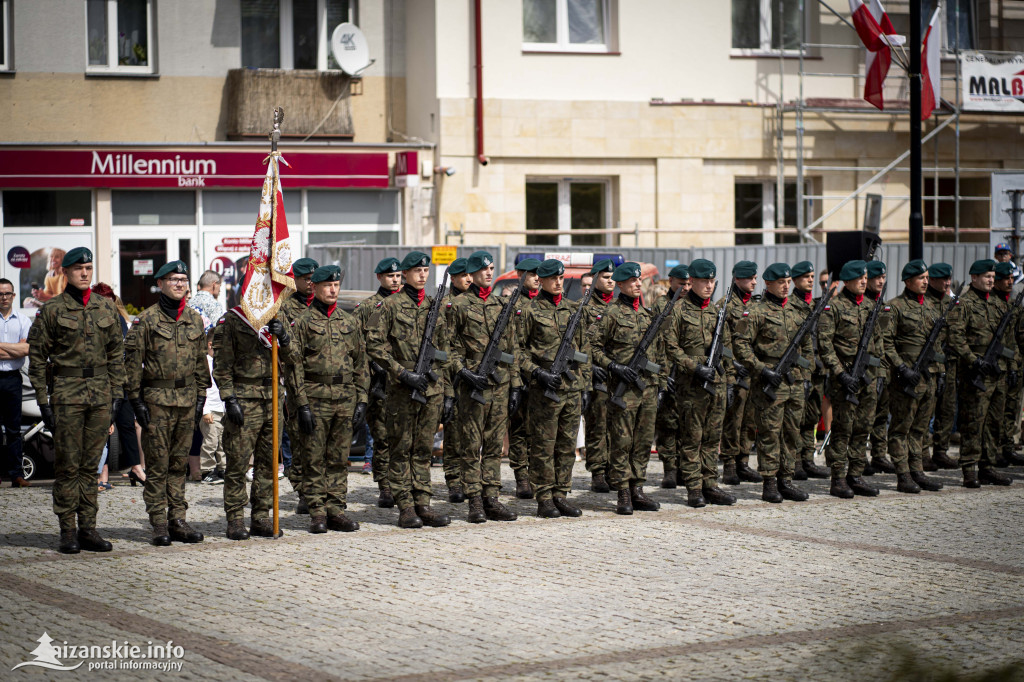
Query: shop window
[[353, 216], [5, 35], [119, 35], [47, 208], [153, 207], [291, 34], [241, 208], [754, 206], [567, 205], [765, 26], [567, 25]]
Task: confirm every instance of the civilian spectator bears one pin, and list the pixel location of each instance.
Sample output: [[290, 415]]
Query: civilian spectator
[[211, 455], [13, 349], [205, 300]]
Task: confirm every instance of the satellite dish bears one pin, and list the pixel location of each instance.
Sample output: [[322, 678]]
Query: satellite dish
[[350, 49]]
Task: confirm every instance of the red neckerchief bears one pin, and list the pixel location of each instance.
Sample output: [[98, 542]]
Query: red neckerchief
[[532, 294], [181, 307], [636, 303], [704, 303], [483, 292], [920, 299], [330, 309], [420, 295], [874, 297], [808, 297], [556, 299], [309, 299], [745, 298], [1006, 296], [606, 297], [782, 303], [85, 297], [859, 299]]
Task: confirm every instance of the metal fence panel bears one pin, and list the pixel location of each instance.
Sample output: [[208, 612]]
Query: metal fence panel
[[359, 260]]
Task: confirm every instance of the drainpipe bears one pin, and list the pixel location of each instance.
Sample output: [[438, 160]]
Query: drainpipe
[[478, 40]]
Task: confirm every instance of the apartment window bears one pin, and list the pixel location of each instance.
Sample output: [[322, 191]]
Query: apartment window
[[119, 35], [292, 34], [959, 29], [755, 210], [5, 37], [765, 26], [567, 205], [567, 25]]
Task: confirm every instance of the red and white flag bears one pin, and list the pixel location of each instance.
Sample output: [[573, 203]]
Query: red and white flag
[[270, 256], [931, 67], [879, 37]]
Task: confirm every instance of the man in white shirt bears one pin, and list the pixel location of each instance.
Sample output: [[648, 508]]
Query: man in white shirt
[[211, 455], [13, 349], [205, 300]]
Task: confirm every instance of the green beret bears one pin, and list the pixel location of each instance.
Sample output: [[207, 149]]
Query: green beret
[[327, 273], [801, 268], [876, 268], [303, 267], [79, 254], [458, 267], [680, 272], [702, 268], [174, 267], [528, 265], [550, 268], [744, 269], [478, 260], [980, 267], [386, 265], [604, 265], [854, 269], [414, 259], [940, 270], [913, 269], [1004, 270], [776, 271], [626, 271]]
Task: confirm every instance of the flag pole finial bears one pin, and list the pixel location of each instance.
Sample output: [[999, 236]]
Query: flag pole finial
[[275, 134]]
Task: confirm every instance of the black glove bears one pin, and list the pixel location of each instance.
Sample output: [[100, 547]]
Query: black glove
[[477, 381], [547, 379], [447, 410], [200, 404], [730, 395], [278, 330], [908, 375], [585, 399], [600, 374], [849, 383], [515, 397], [661, 397], [985, 368], [741, 369], [623, 372], [141, 412], [1013, 378], [359, 416], [234, 411], [771, 377], [306, 423], [819, 366], [413, 380], [704, 373], [46, 412], [115, 407], [671, 384]]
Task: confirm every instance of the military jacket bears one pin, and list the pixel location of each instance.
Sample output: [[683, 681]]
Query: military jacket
[[395, 333], [616, 334], [1003, 302], [241, 358], [77, 341], [473, 322], [839, 330], [293, 305], [911, 318], [542, 326], [972, 324], [763, 333], [659, 304], [364, 312], [327, 358], [691, 329], [165, 359], [733, 313], [805, 309]]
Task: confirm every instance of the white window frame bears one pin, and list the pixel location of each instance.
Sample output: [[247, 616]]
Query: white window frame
[[5, 9], [765, 25], [562, 43], [287, 19], [112, 66], [565, 205]]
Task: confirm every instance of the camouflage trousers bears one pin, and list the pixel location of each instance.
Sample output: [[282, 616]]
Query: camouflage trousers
[[251, 440], [166, 443], [79, 434], [297, 439], [851, 424], [700, 433], [453, 454], [482, 433], [552, 429], [879, 436], [665, 427], [778, 428], [991, 444], [945, 411], [811, 417], [908, 430], [412, 426], [739, 426], [1011, 419], [325, 474], [978, 410], [376, 417], [596, 435], [630, 434], [518, 455]]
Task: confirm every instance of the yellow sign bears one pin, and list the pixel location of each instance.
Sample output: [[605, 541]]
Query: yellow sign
[[443, 255]]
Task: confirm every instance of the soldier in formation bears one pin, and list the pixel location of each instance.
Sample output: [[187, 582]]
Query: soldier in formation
[[738, 428], [453, 456], [803, 300], [518, 453], [667, 423]]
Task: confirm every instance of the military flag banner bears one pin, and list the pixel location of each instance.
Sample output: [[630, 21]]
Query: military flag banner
[[879, 37]]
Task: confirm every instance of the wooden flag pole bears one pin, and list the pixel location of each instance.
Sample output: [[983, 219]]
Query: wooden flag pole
[[274, 426]]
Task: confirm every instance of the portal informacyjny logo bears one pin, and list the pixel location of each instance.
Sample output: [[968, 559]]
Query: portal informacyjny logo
[[113, 656]]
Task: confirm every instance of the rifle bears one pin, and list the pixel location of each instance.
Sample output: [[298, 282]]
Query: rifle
[[741, 375], [493, 353], [715, 349], [427, 351], [639, 362], [792, 356], [863, 359], [995, 348], [566, 354], [928, 349]]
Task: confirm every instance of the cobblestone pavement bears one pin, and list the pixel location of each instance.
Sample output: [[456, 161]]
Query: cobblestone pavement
[[827, 589]]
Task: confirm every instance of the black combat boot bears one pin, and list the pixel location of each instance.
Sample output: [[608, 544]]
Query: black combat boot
[[745, 472], [679, 478], [926, 482], [318, 524], [729, 475], [668, 481], [798, 471], [1001, 461], [640, 501], [385, 500], [342, 523], [942, 460], [456, 495], [625, 503], [598, 483], [263, 528], [839, 488], [695, 499], [566, 508], [302, 507], [791, 492], [715, 495], [432, 518], [182, 532], [929, 464], [868, 469], [236, 530], [815, 471], [476, 510], [988, 477], [770, 490], [1013, 458], [905, 483], [524, 491], [69, 541], [971, 477], [546, 509], [860, 487], [407, 518], [91, 541], [883, 465], [496, 511], [160, 538]]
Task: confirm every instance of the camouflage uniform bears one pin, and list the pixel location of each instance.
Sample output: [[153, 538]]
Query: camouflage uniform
[[393, 343], [595, 438], [945, 403], [453, 450], [812, 402], [667, 422], [293, 306], [1010, 425], [82, 345], [518, 454], [552, 426], [375, 409], [165, 364], [328, 372], [739, 427], [994, 424], [242, 369]]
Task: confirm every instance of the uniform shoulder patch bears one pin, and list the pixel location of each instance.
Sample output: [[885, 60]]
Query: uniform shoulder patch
[[358, 304], [379, 304], [828, 307], [887, 309], [518, 312], [39, 312], [449, 305], [746, 313], [600, 316], [135, 321], [223, 319]]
